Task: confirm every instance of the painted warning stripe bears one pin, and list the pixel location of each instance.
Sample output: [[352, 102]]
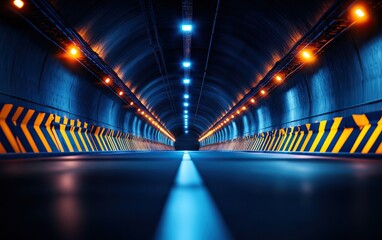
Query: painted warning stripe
[[26, 130], [359, 133]]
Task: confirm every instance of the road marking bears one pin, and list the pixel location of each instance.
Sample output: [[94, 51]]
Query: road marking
[[190, 213]]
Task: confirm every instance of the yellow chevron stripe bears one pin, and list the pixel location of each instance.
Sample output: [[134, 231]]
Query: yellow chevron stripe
[[71, 131], [88, 140], [284, 136], [2, 149], [51, 135], [17, 114], [97, 137], [360, 137], [37, 123], [310, 133], [57, 139], [253, 143], [65, 122], [341, 141], [57, 119], [277, 141], [374, 136], [293, 140], [120, 146], [298, 141], [111, 138], [106, 138], [273, 142], [4, 126], [92, 138], [267, 140], [261, 138], [26, 132], [82, 139], [114, 141], [71, 123], [20, 145], [129, 146], [379, 150], [66, 139], [290, 133], [332, 134], [321, 132], [102, 139]]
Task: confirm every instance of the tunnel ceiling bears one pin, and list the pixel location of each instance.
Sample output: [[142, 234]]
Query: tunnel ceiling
[[250, 37]]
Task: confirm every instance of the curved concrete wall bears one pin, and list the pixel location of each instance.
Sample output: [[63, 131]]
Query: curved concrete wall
[[36, 74], [346, 79]]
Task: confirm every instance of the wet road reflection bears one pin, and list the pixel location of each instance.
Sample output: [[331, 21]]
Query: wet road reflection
[[199, 195]]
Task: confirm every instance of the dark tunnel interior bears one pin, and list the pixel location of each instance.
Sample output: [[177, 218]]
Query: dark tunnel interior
[[198, 111]]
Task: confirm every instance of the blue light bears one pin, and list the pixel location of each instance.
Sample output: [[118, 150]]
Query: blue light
[[186, 81], [185, 111], [186, 64], [186, 104], [186, 132], [186, 96], [186, 27], [186, 116]]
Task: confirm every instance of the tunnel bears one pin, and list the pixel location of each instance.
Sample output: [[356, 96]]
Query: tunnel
[[190, 119]]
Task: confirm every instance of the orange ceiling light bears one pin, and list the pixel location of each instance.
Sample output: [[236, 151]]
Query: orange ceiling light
[[74, 51], [252, 100], [18, 3], [131, 104], [359, 13], [120, 93], [107, 80], [263, 92], [244, 108], [279, 77], [307, 56]]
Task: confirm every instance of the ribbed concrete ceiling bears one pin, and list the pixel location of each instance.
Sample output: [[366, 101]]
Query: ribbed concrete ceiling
[[250, 37]]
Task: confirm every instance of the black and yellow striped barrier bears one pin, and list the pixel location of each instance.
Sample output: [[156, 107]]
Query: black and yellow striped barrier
[[25, 130], [360, 133]]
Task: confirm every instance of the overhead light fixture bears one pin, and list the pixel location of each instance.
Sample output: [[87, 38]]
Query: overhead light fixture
[[279, 78], [358, 13], [307, 56], [107, 80], [186, 104], [186, 132], [74, 51], [262, 92], [120, 93], [131, 104], [186, 27], [186, 64], [18, 3], [185, 111], [186, 96], [186, 81], [252, 100], [243, 108]]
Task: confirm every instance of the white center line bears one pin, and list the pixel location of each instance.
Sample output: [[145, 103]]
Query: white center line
[[190, 213]]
